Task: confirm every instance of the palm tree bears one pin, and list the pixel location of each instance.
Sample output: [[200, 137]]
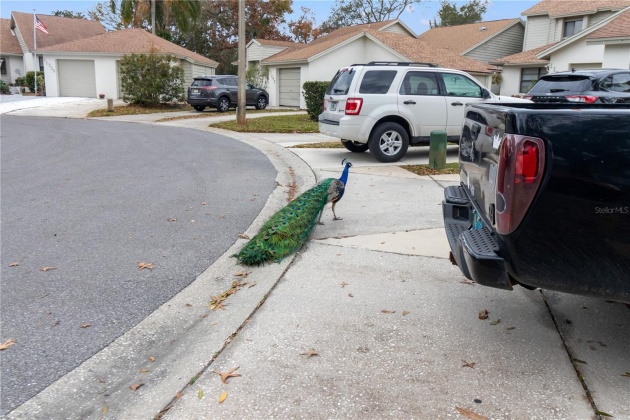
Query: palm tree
[[160, 15]]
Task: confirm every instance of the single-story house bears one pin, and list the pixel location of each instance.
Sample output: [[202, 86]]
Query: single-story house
[[561, 36], [320, 59], [80, 58]]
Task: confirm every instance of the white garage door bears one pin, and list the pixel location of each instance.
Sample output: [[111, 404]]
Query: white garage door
[[76, 78], [290, 87]]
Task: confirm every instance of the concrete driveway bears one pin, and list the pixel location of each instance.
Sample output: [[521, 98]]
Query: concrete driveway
[[369, 320]]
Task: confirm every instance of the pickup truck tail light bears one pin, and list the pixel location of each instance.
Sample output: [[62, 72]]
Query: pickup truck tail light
[[353, 106], [519, 175], [588, 99]]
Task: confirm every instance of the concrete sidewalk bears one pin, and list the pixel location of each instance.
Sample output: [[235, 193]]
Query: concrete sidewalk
[[368, 320]]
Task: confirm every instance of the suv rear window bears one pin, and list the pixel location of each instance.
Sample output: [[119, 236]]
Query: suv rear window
[[340, 84], [202, 82], [551, 84], [377, 81]]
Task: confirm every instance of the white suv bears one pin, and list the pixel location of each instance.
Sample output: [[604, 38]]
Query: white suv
[[386, 106]]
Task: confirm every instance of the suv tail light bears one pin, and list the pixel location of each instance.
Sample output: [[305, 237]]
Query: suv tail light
[[589, 99], [353, 106], [208, 88], [519, 175]]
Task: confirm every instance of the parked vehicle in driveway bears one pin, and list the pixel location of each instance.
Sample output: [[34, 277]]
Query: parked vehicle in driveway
[[387, 106], [221, 92], [544, 198], [598, 86]]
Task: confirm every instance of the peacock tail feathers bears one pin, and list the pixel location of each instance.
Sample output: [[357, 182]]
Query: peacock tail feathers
[[288, 229]]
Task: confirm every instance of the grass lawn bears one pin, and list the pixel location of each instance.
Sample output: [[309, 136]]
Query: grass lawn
[[276, 124], [215, 113], [136, 109]]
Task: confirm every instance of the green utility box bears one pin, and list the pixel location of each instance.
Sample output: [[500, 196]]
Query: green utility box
[[437, 149]]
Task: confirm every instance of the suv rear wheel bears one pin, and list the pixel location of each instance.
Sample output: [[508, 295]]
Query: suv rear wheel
[[389, 142], [223, 105], [354, 147]]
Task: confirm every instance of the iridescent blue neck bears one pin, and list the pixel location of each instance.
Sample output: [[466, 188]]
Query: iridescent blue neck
[[344, 175]]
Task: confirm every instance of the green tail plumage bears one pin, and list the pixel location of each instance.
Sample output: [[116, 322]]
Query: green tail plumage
[[287, 230]]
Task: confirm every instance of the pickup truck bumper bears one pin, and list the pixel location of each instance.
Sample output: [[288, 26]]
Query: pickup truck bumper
[[475, 251]]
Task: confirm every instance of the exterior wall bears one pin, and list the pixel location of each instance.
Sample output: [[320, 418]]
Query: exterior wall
[[537, 32], [575, 53], [507, 43], [397, 29], [511, 80], [104, 69], [617, 56], [257, 52], [15, 68], [597, 17], [193, 70]]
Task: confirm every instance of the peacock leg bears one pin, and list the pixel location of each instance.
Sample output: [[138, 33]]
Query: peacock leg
[[333, 209], [319, 221]]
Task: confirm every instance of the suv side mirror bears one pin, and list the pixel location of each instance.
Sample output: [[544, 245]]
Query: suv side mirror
[[485, 94]]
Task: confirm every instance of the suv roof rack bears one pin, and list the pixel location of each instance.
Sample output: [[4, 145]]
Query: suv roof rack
[[398, 63]]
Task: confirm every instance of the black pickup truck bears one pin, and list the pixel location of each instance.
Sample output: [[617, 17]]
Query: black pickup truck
[[544, 198]]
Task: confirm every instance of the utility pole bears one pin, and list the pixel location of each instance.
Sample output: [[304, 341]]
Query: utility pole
[[153, 17], [242, 63]]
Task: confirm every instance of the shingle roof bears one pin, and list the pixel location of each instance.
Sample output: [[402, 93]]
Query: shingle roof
[[459, 38], [417, 50], [617, 27], [276, 43], [9, 44], [525, 57], [128, 41], [60, 29], [558, 8]]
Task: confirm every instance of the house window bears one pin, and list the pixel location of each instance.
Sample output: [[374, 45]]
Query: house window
[[3, 66], [40, 61], [572, 27], [529, 76]]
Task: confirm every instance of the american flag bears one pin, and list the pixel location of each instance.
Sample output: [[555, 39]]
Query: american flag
[[39, 25]]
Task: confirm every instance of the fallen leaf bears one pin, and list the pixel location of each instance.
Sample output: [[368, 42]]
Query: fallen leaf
[[575, 359], [350, 295], [405, 313], [7, 344], [602, 413], [104, 410], [200, 393], [222, 397], [510, 328], [178, 396], [470, 414], [344, 284], [483, 314], [310, 353], [85, 325], [469, 364], [216, 303], [385, 311], [626, 374], [14, 264], [143, 370], [226, 375], [151, 359], [47, 268], [172, 219], [243, 236], [466, 281], [203, 203], [136, 386], [142, 266], [495, 322], [252, 285], [242, 274]]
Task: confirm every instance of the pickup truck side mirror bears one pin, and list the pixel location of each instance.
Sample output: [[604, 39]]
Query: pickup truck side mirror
[[485, 94]]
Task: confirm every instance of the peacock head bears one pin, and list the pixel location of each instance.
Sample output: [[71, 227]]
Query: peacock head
[[346, 162]]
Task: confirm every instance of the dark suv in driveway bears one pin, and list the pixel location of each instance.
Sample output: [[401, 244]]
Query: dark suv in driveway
[[599, 86], [220, 92]]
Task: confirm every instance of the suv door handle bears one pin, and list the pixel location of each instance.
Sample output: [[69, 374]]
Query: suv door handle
[[409, 102], [456, 104]]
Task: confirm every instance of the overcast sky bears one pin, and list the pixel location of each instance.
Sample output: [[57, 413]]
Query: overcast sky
[[417, 19]]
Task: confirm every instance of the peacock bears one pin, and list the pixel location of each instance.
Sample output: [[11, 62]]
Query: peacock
[[287, 230]]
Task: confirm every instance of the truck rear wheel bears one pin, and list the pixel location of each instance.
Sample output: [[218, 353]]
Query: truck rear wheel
[[389, 142]]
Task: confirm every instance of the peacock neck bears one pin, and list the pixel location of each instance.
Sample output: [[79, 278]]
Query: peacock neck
[[344, 175]]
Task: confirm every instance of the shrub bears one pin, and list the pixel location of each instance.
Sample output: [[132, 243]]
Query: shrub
[[29, 80], [314, 96], [19, 81], [4, 88], [257, 75], [148, 79]]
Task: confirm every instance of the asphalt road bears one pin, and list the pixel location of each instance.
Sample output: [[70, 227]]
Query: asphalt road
[[94, 199]]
